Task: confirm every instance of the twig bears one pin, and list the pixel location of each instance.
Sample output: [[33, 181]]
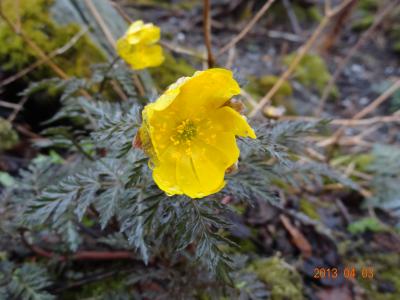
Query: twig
[[274, 34], [42, 61], [93, 278], [60, 72], [20, 105], [33, 45], [247, 28], [344, 211], [378, 101], [248, 97], [262, 32], [394, 118], [231, 58], [109, 68], [114, 83], [292, 16], [101, 22], [27, 132], [8, 105], [121, 11], [338, 26], [302, 51], [371, 107], [182, 50], [79, 255], [361, 41], [299, 240], [207, 32], [99, 19]]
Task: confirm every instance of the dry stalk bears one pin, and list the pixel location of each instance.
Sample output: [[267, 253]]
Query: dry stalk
[[207, 32], [111, 40], [338, 26], [361, 41], [394, 118], [247, 28], [42, 61], [60, 72], [19, 31], [302, 51], [370, 108]]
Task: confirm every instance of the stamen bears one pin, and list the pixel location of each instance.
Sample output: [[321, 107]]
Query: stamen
[[186, 131]]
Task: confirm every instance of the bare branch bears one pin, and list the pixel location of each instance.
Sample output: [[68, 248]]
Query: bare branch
[[247, 28], [207, 32], [302, 51], [361, 41]]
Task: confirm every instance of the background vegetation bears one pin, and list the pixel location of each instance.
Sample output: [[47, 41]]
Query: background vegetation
[[80, 215]]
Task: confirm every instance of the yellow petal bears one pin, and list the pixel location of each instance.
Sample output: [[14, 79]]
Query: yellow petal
[[199, 173], [144, 34], [187, 178], [135, 27], [164, 172], [210, 164], [196, 95], [205, 91], [140, 57], [123, 48], [168, 97], [226, 119]]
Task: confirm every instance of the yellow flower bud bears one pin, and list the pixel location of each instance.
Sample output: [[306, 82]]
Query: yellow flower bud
[[138, 46]]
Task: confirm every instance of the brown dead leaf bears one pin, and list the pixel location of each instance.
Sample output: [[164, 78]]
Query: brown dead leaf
[[297, 237]]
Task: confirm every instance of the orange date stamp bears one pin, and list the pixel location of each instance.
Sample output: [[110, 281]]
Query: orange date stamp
[[349, 273]]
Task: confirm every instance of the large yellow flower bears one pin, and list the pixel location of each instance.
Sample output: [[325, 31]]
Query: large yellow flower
[[189, 133], [138, 46]]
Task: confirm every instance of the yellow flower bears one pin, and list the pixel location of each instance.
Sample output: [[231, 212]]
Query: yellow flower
[[189, 133], [138, 46]]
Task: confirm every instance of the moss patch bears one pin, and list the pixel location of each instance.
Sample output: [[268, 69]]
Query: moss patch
[[312, 72], [284, 281], [8, 137], [366, 224], [35, 20], [385, 284], [309, 209], [257, 87]]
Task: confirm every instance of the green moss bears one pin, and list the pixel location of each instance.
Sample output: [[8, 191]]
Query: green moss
[[312, 72], [360, 161], [309, 209], [97, 290], [366, 224], [170, 71], [308, 14], [365, 16], [363, 22], [37, 23], [8, 136], [284, 281], [386, 271], [257, 87], [303, 14], [366, 10]]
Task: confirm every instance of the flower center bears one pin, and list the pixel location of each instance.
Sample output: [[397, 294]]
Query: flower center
[[185, 132]]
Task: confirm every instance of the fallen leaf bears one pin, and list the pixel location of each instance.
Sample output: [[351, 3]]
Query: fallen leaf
[[298, 238]]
